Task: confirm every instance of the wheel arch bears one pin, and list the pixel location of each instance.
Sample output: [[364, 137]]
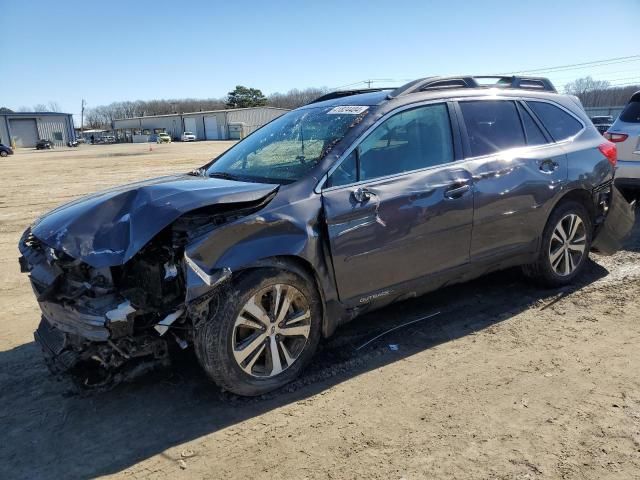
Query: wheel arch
[[580, 195], [302, 267]]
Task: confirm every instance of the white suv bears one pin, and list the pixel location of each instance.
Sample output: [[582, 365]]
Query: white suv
[[188, 137], [625, 133]]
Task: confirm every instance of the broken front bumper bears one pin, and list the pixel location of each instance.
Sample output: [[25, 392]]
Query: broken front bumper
[[86, 330]]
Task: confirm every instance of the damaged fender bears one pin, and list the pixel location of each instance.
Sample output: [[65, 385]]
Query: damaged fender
[[110, 227], [286, 230]]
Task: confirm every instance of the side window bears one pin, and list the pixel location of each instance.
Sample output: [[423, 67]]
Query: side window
[[559, 123], [492, 125], [409, 140], [531, 128], [346, 173]]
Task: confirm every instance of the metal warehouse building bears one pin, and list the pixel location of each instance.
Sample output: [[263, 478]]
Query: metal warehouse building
[[26, 128], [211, 125]]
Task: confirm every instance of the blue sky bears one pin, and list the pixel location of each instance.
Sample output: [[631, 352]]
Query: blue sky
[[109, 51]]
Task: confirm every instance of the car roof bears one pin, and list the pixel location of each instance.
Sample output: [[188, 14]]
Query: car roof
[[442, 88]]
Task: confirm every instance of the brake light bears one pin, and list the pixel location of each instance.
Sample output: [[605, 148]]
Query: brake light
[[615, 137], [610, 151]]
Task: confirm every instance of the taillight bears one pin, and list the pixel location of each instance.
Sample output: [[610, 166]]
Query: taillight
[[610, 151], [615, 137]]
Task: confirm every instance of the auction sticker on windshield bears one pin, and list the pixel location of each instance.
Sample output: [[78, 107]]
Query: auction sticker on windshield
[[347, 109]]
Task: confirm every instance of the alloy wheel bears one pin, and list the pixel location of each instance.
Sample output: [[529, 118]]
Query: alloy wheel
[[568, 244], [271, 330]]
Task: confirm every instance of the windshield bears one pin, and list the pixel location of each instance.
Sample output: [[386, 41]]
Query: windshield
[[188, 133], [284, 150]]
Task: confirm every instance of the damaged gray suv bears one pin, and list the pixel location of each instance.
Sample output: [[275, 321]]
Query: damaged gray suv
[[357, 200]]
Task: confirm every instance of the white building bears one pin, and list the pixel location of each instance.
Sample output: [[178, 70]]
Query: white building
[[210, 125], [24, 129]]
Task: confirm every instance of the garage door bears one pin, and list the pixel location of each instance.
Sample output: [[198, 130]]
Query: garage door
[[190, 126], [211, 128], [24, 131]]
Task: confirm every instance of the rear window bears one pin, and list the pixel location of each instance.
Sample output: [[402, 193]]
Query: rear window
[[558, 123], [492, 125], [631, 112]]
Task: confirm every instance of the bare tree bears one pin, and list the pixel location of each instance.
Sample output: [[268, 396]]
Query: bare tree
[[599, 93], [53, 106], [102, 116], [296, 98], [582, 86]]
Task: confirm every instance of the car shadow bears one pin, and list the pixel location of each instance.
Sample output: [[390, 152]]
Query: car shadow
[[51, 433]]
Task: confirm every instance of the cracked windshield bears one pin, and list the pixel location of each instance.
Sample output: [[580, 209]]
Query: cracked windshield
[[284, 150]]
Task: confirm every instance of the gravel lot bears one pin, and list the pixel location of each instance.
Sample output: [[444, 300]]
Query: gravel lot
[[509, 381]]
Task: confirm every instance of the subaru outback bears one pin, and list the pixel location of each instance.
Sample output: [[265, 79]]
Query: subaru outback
[[347, 204]]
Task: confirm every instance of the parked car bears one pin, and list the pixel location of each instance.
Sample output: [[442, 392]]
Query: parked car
[[44, 144], [5, 151], [602, 122], [350, 203], [163, 138], [625, 133], [107, 139], [188, 137]]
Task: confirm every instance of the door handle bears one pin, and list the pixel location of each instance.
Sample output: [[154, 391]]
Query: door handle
[[548, 166], [456, 190], [362, 194]]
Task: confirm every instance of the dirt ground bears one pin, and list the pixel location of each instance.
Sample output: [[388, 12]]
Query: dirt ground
[[507, 382]]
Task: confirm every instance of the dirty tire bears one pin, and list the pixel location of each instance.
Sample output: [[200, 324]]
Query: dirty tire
[[3, 153], [214, 340], [542, 271]]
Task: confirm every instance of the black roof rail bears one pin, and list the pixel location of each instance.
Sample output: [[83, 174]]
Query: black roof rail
[[483, 81], [347, 93]]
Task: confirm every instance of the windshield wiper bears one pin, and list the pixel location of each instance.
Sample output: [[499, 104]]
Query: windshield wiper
[[225, 175]]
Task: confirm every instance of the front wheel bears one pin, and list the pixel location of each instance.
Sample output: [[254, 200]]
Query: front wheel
[[3, 153], [262, 333], [566, 242]]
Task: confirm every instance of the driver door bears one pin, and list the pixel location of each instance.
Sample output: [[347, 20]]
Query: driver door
[[398, 207]]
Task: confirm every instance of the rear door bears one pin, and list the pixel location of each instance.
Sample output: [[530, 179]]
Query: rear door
[[398, 207], [516, 169]]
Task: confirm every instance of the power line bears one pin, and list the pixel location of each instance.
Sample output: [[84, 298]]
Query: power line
[[575, 66], [571, 76]]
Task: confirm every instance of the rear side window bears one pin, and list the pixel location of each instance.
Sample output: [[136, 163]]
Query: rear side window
[[492, 125], [558, 123], [631, 112], [531, 128]]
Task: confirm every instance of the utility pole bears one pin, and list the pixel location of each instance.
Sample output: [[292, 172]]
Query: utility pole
[[82, 116], [368, 83]]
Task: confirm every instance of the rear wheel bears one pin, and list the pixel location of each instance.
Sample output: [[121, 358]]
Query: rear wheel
[[263, 333], [566, 241]]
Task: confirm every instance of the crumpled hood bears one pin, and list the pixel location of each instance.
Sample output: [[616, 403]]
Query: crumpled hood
[[109, 227]]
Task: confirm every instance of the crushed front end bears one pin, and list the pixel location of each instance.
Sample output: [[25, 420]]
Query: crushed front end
[[98, 323]]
